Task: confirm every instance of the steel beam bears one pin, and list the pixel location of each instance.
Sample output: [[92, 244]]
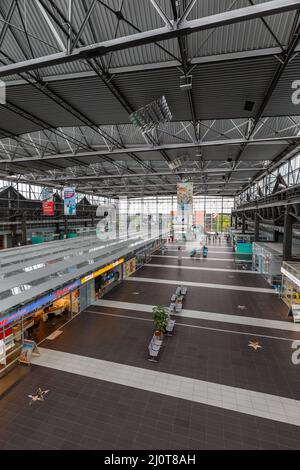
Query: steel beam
[[7, 21], [83, 24], [285, 59], [145, 149], [147, 37]]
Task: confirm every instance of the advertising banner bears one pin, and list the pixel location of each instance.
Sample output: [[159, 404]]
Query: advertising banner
[[29, 348], [2, 352], [199, 217], [48, 203], [185, 196], [69, 201], [130, 267], [296, 312]]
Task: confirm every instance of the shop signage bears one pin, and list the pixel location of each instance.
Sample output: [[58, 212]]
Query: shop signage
[[290, 276], [38, 303], [101, 271]]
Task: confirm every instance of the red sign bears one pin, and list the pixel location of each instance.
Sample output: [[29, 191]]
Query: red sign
[[48, 208]]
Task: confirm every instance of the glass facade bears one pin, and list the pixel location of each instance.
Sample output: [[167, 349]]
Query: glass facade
[[289, 170], [34, 192]]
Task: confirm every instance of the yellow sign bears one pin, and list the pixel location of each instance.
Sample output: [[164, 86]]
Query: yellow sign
[[101, 271]]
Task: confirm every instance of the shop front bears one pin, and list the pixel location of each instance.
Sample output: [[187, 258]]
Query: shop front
[[267, 260], [100, 282], [36, 321], [290, 290]]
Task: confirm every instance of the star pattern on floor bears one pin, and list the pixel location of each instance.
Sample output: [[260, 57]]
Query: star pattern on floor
[[242, 307], [135, 293], [38, 396], [255, 345]]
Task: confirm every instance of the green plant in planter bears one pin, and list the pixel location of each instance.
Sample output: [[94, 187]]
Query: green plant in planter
[[160, 318]]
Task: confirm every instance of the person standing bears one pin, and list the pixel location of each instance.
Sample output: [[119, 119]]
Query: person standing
[[205, 251], [179, 253]]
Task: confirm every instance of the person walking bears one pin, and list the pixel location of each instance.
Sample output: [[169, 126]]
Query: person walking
[[205, 251], [179, 253]]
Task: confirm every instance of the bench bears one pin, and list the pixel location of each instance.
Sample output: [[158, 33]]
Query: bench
[[170, 327], [183, 290], [172, 307], [178, 291], [154, 348]]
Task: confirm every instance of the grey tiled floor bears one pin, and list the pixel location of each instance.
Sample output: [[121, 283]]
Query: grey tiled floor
[[81, 412], [84, 413]]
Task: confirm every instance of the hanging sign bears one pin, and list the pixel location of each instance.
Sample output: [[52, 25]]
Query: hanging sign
[[185, 196], [48, 202], [69, 201]]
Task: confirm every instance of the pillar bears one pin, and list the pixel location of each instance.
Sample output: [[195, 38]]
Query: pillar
[[243, 223], [287, 236], [149, 225], [276, 236], [24, 230], [256, 227], [66, 226], [235, 222], [160, 224]]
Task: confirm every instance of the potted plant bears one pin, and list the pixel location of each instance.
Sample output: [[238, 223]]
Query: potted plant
[[160, 318]]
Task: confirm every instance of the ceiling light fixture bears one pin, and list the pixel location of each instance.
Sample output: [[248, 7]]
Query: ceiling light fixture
[[177, 163], [152, 115], [185, 82]]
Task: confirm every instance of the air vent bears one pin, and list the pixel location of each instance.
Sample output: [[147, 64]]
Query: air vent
[[249, 105]]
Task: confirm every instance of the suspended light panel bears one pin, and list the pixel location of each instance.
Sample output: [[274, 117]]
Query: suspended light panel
[[152, 115]]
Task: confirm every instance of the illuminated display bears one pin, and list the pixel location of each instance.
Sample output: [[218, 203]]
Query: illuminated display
[[101, 271]]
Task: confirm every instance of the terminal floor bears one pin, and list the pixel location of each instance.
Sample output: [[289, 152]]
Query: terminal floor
[[86, 410]]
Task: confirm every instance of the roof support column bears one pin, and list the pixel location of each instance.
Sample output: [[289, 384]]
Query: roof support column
[[276, 236], [24, 229], [256, 227], [287, 236], [243, 223]]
